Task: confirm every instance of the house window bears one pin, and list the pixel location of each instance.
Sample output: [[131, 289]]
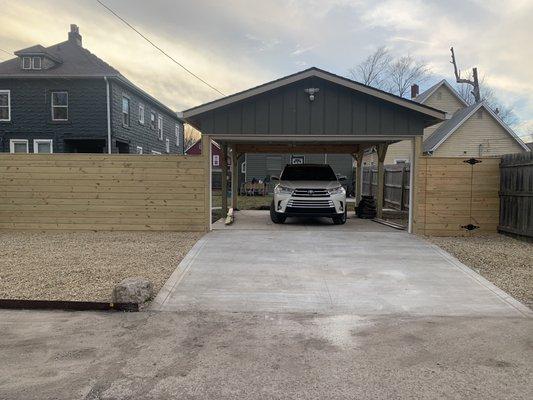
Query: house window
[[152, 120], [59, 106], [18, 146], [26, 62], [243, 168], [141, 114], [125, 111], [167, 145], [177, 131], [401, 161], [43, 146], [297, 160], [36, 62], [5, 105], [139, 150], [156, 152], [160, 127], [216, 160]]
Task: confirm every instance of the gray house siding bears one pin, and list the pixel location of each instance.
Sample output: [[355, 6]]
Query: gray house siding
[[261, 166], [137, 134], [31, 111], [335, 110]]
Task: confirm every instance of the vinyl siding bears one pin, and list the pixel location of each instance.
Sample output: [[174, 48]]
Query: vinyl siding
[[487, 132], [447, 101]]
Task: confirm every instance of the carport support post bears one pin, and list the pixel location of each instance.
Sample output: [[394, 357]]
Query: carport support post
[[224, 179], [359, 176], [382, 152], [234, 179]]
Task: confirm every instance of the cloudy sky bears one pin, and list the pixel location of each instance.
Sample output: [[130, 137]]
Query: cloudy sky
[[236, 44]]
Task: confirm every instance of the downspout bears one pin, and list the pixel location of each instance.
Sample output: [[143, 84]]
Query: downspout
[[108, 115]]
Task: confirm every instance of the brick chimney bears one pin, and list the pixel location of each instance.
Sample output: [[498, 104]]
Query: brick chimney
[[414, 90], [74, 35]]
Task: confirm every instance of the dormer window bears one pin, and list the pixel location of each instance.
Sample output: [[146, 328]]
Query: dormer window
[[26, 62], [32, 62], [36, 63]]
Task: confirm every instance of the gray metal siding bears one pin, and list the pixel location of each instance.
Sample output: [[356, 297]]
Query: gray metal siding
[[336, 110], [142, 135]]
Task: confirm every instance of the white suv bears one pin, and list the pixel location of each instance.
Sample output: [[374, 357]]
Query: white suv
[[308, 190]]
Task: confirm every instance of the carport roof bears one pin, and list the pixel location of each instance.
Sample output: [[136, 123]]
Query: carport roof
[[319, 73]]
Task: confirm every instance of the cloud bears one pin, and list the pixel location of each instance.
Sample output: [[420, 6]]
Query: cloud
[[237, 44]]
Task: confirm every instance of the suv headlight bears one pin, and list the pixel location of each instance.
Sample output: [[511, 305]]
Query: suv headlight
[[337, 190], [279, 189]]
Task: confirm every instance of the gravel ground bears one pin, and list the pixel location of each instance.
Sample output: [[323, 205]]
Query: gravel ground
[[85, 265], [506, 262]]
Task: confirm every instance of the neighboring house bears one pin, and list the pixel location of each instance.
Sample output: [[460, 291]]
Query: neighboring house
[[264, 166], [471, 130], [64, 99], [216, 157]]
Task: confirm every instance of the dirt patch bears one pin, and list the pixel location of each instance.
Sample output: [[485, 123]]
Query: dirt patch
[[85, 265], [506, 262]]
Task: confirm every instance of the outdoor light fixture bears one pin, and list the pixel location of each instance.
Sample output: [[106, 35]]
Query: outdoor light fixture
[[311, 92]]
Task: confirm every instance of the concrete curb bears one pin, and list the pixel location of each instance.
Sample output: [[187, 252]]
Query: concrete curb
[[502, 295], [177, 275]]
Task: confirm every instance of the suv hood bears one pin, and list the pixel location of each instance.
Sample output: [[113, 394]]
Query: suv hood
[[310, 184]]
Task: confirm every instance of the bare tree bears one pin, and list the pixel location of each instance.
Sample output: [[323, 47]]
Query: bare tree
[[373, 70], [486, 94], [190, 136], [472, 81], [406, 71], [382, 71]]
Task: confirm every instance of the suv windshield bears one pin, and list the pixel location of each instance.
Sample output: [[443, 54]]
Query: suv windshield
[[308, 173]]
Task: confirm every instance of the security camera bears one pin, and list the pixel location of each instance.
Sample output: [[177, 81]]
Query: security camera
[[311, 92]]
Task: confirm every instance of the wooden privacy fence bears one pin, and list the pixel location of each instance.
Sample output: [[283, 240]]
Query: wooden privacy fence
[[457, 196], [396, 185], [103, 192], [516, 194]]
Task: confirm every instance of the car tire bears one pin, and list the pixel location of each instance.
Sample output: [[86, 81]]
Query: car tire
[[276, 217], [340, 220]]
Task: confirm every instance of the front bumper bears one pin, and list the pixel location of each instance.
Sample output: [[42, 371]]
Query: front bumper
[[288, 205]]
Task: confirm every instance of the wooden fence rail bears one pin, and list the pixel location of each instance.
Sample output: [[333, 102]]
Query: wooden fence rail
[[516, 194], [103, 192], [396, 187]]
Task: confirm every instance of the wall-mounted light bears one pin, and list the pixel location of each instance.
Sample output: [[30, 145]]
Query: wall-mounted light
[[311, 92]]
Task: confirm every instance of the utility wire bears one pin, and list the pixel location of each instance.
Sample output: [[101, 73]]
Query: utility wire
[[158, 48], [7, 52]]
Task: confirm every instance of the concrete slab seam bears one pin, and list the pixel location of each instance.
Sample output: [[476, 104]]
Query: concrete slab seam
[[178, 274], [502, 295]]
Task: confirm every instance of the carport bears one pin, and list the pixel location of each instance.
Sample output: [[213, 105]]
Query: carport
[[313, 111]]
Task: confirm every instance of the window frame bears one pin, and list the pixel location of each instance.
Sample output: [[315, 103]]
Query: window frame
[[141, 113], [12, 143], [29, 62], [36, 145], [33, 62], [139, 149], [154, 120], [8, 92], [177, 131], [159, 128], [124, 97], [52, 106]]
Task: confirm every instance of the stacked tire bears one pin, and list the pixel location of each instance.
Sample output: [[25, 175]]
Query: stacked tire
[[367, 208]]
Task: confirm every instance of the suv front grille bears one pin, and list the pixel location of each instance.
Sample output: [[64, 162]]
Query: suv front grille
[[309, 203], [310, 193]]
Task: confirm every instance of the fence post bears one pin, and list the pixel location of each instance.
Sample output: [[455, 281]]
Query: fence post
[[402, 188]]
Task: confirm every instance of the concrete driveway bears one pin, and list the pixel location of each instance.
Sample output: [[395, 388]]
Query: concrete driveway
[[359, 311], [359, 268]]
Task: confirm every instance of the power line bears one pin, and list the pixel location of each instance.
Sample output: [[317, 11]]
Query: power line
[[7, 52], [158, 48]]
